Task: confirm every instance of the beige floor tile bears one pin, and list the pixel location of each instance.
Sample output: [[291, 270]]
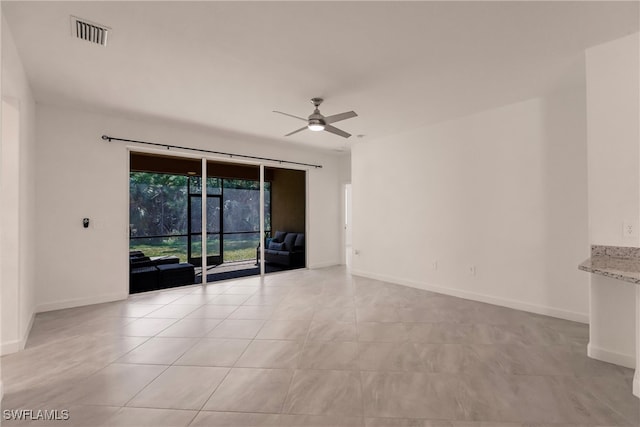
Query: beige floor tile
[[242, 329], [325, 392], [329, 355], [251, 390], [521, 398], [338, 314], [320, 421], [153, 298], [146, 327], [262, 299], [212, 311], [615, 394], [180, 387], [113, 385], [275, 289], [407, 422], [448, 358], [236, 419], [372, 313], [295, 330], [382, 332], [270, 354], [190, 328], [440, 333], [241, 290], [463, 364], [194, 299], [410, 395], [293, 312], [134, 310], [327, 330], [159, 350], [172, 311], [146, 417], [252, 312], [214, 352], [211, 289], [384, 356], [229, 299]]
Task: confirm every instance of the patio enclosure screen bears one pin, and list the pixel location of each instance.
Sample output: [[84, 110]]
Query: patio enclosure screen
[[165, 216]]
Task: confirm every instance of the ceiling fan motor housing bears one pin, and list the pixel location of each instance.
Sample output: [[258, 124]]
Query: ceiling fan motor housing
[[316, 119]]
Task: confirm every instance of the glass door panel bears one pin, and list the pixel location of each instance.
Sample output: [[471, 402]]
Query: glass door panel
[[214, 248], [214, 220]]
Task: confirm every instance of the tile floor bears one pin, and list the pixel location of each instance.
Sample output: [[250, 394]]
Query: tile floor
[[313, 348]]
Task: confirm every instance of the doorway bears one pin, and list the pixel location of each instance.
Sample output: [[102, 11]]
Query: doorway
[[348, 234]]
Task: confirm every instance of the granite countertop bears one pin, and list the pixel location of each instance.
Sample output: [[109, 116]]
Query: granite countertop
[[617, 262]]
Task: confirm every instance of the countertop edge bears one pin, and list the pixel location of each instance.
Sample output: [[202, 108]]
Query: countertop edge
[[630, 276]]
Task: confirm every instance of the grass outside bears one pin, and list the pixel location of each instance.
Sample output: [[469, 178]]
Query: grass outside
[[235, 249]]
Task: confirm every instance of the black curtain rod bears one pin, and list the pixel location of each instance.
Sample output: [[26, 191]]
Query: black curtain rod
[[231, 155]]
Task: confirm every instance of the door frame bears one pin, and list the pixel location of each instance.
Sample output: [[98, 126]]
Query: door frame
[[204, 158]]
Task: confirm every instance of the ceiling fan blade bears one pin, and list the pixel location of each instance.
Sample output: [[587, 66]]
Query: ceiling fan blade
[[341, 116], [336, 131], [290, 115], [296, 131]]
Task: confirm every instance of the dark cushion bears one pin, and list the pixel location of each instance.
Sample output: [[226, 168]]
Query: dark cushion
[[175, 274], [276, 246], [143, 270], [175, 267], [289, 240], [143, 261], [299, 243], [135, 254], [166, 260], [143, 279], [279, 238]]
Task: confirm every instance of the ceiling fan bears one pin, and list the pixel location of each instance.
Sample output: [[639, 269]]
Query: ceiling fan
[[317, 122]]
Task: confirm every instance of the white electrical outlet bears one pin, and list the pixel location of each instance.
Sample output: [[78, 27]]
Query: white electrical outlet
[[472, 270], [434, 265], [629, 229]]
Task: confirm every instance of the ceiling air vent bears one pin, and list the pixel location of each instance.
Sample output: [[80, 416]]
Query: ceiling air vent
[[89, 31]]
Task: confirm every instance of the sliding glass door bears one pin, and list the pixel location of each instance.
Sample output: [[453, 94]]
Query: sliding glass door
[[167, 196]]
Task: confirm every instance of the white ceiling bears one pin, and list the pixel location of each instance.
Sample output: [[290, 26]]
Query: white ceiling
[[227, 65]]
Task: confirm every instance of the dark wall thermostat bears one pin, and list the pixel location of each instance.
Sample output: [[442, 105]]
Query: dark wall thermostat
[[85, 222]]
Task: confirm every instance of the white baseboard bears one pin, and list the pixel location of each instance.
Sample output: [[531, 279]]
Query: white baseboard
[[77, 302], [489, 299], [324, 264], [626, 360], [11, 347], [18, 345]]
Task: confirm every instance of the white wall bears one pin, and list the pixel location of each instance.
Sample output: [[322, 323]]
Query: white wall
[[17, 199], [504, 190], [80, 175], [613, 114]]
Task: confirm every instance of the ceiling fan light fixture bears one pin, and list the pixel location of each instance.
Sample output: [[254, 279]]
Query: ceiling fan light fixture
[[315, 124]]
